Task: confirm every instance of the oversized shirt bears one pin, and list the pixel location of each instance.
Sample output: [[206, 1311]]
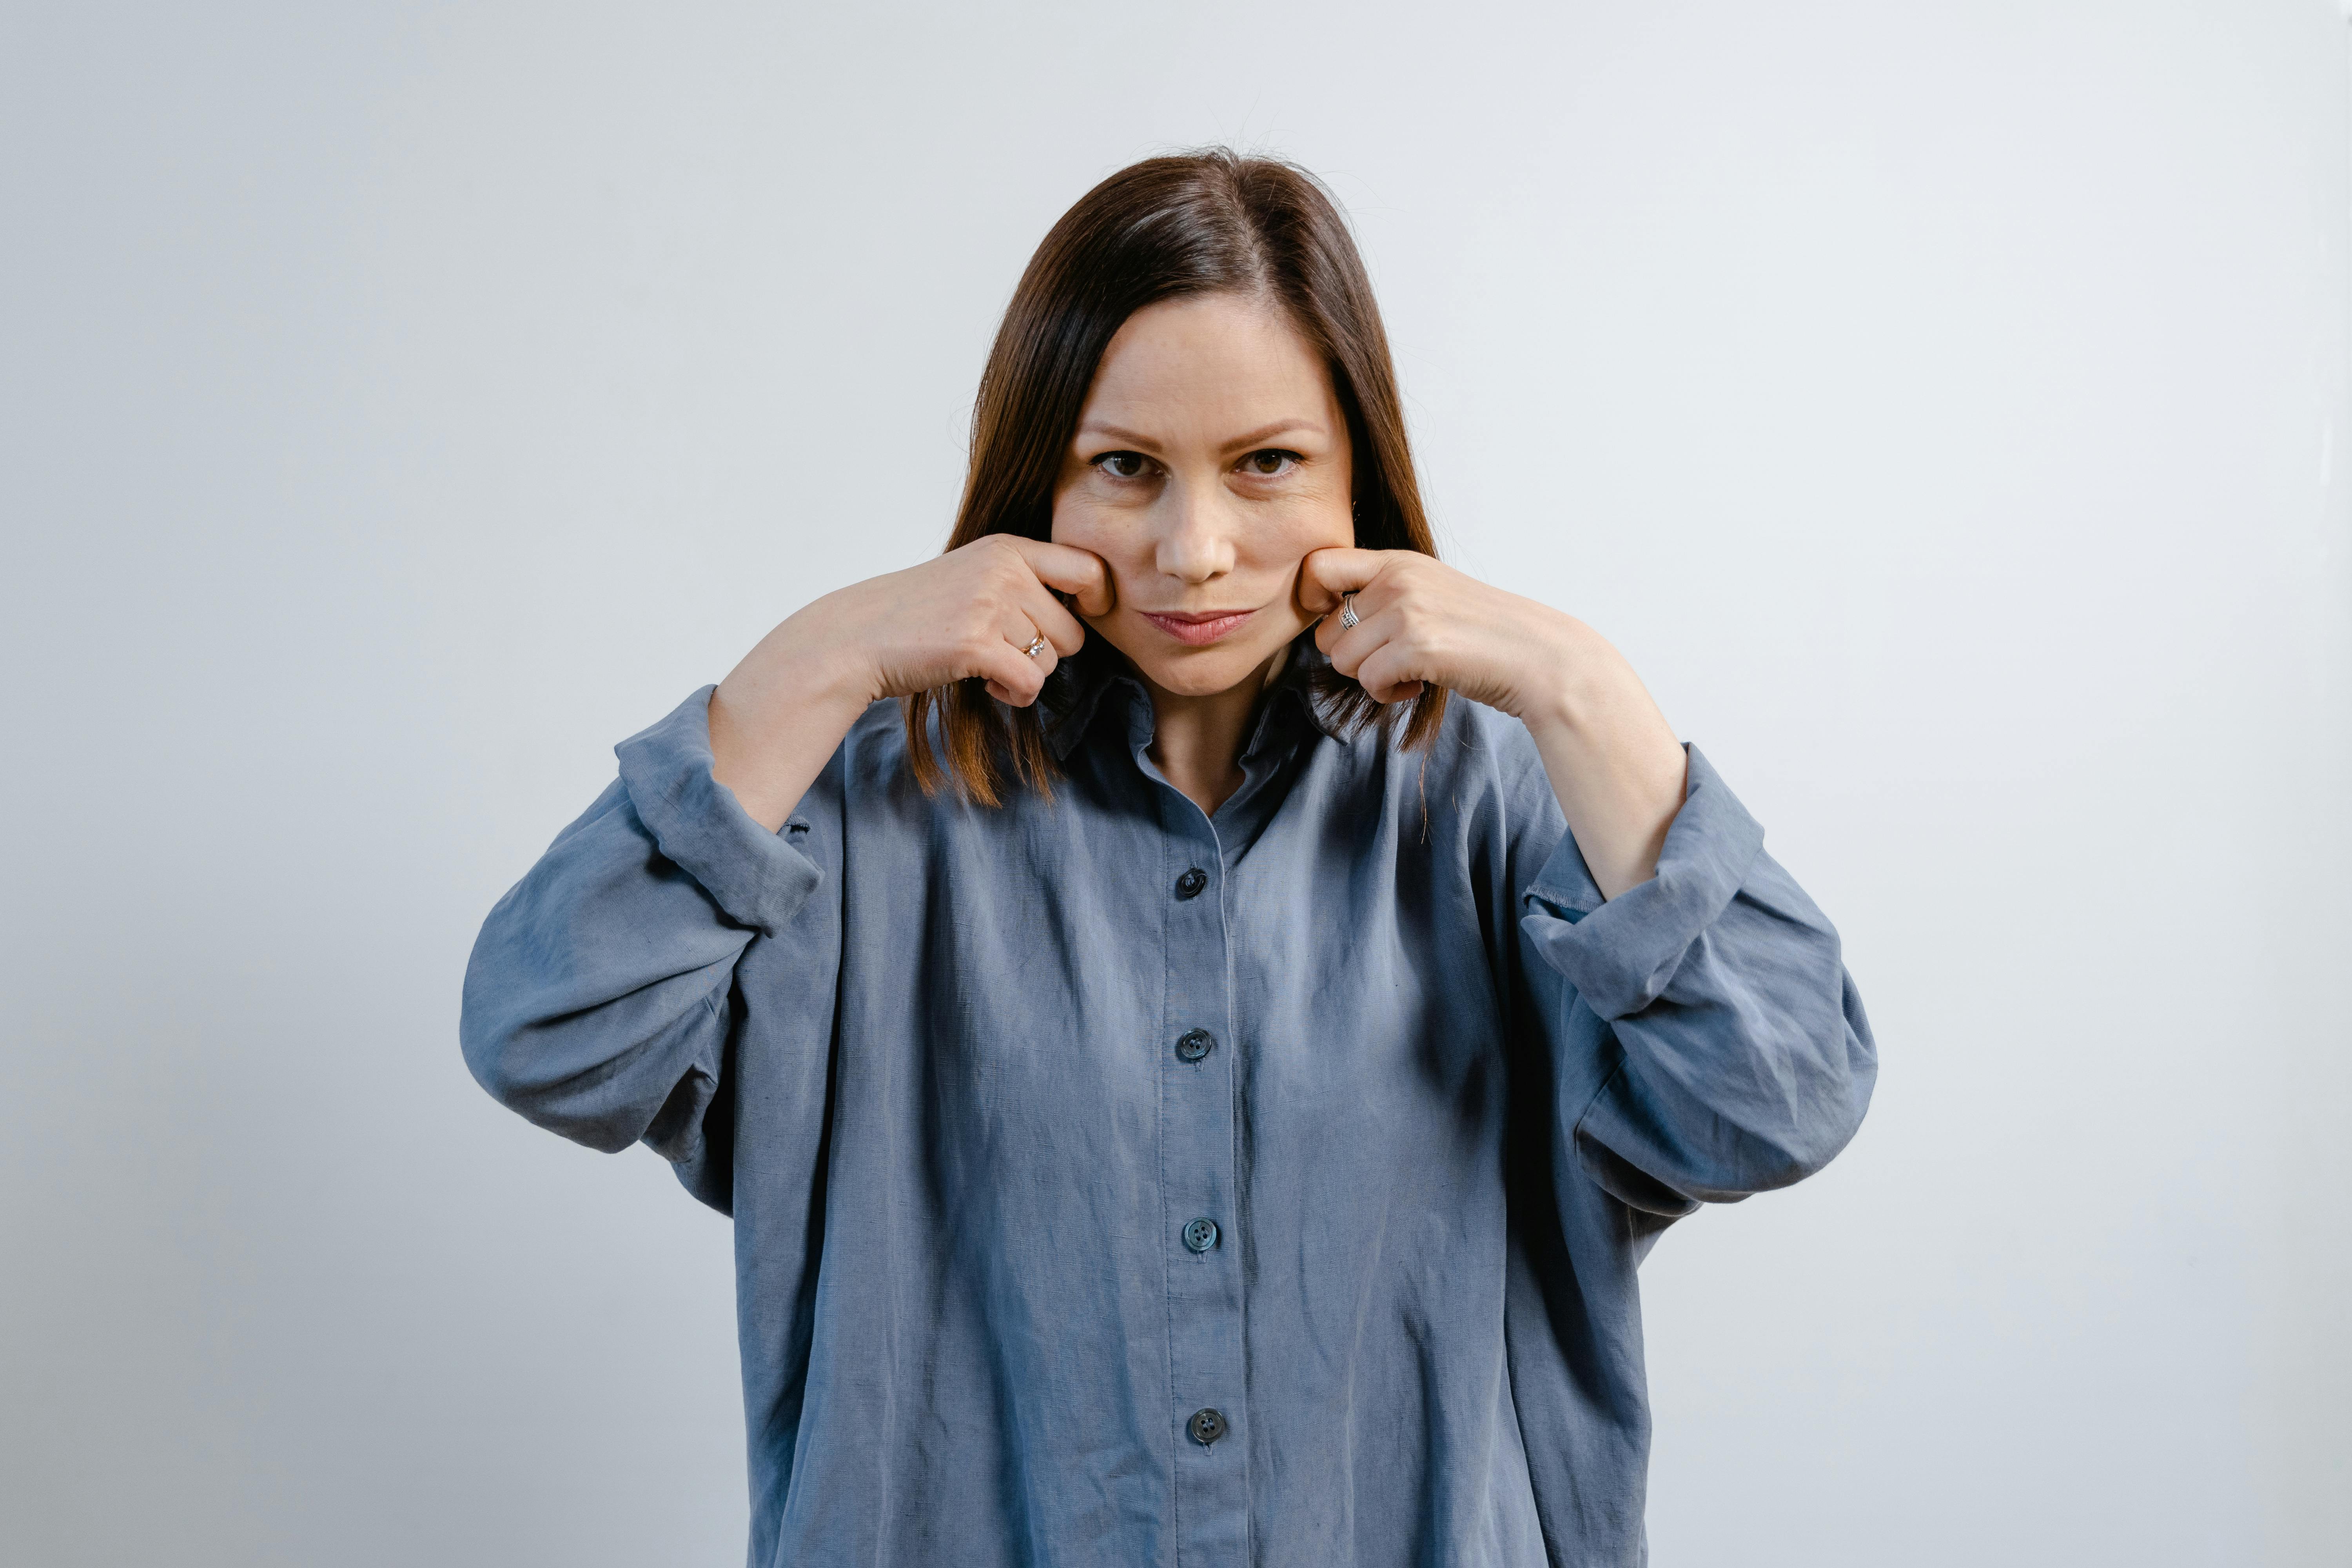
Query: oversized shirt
[[1120, 1184]]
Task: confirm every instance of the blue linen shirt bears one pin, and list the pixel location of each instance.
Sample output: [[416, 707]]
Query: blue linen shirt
[[970, 1080]]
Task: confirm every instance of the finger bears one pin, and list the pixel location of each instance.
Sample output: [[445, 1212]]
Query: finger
[[1012, 678], [1023, 633], [1375, 653], [1052, 620], [1334, 570], [1341, 642], [1077, 572], [1346, 646], [1328, 630], [1386, 673]]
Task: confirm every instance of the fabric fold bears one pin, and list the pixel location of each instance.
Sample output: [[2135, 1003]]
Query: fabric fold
[[755, 876], [1621, 952]]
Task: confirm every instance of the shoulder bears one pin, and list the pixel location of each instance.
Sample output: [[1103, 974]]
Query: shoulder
[[879, 734], [1479, 784], [872, 766], [1481, 752]]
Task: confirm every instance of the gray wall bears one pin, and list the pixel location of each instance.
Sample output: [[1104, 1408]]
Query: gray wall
[[1946, 407]]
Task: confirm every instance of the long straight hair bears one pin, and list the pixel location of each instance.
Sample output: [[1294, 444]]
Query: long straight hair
[[1200, 223]]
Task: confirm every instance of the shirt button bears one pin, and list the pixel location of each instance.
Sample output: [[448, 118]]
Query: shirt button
[[1189, 884], [1206, 1426], [1194, 1044], [1201, 1235]]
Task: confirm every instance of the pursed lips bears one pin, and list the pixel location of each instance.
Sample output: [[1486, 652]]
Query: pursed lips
[[1196, 627]]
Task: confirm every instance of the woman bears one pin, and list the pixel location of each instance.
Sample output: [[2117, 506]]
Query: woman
[[1171, 1111]]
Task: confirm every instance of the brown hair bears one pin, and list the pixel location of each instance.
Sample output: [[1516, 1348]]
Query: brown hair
[[1199, 223]]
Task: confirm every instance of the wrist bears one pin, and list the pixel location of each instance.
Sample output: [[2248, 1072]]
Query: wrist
[[797, 679], [1594, 709], [811, 661], [1584, 679], [829, 638]]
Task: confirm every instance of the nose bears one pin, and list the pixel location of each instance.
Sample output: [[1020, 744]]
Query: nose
[[1196, 541]]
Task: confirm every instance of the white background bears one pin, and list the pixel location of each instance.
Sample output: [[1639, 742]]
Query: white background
[[1946, 406]]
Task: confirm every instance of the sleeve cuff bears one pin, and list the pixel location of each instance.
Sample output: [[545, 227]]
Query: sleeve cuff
[[754, 876], [1620, 953]]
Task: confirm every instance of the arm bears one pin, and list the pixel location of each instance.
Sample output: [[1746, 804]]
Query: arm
[[598, 998], [1615, 766], [780, 713], [600, 994], [1711, 1043]]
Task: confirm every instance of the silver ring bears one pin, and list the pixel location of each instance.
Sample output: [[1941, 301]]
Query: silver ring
[[1349, 619], [1036, 647]]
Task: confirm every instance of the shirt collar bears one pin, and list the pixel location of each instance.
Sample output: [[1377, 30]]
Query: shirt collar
[[1073, 693]]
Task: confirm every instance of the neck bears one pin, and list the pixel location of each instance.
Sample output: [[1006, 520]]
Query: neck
[[1196, 741]]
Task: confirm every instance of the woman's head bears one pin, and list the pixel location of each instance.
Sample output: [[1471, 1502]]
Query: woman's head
[[1191, 382]]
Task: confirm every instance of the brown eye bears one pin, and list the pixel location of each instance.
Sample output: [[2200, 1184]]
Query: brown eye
[[1270, 463], [1122, 465]]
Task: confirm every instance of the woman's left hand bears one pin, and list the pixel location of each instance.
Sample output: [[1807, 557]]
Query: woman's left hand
[[1614, 762], [1420, 621]]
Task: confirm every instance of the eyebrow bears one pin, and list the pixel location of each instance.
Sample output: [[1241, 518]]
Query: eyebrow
[[1240, 443]]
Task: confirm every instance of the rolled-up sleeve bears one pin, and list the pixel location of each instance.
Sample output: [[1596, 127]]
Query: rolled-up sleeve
[[1735, 1055], [597, 999]]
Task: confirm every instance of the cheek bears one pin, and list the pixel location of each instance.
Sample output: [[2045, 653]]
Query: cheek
[[1311, 522], [1124, 548], [1086, 527]]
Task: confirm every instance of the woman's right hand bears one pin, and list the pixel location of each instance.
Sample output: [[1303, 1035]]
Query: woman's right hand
[[778, 716]]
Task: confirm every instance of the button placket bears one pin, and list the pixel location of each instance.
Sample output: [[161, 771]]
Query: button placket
[[1197, 1194]]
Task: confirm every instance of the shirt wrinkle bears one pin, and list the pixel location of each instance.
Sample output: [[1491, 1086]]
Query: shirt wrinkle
[[965, 1078]]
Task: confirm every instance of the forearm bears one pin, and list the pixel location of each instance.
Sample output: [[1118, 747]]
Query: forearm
[[779, 715], [1614, 760]]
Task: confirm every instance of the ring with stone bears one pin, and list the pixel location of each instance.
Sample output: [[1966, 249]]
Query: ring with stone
[[1349, 619], [1036, 647]]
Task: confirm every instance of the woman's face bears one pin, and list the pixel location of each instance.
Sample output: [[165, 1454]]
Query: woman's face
[[1210, 456]]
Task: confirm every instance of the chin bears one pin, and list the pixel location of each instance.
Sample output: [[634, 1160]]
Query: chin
[[1202, 672], [1200, 676]]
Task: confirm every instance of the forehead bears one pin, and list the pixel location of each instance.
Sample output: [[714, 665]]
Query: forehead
[[1209, 357]]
